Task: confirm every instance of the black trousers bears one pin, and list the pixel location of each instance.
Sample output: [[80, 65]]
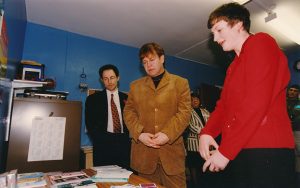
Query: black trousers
[[261, 168], [111, 149]]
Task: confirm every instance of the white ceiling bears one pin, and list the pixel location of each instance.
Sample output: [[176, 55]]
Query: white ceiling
[[178, 25]]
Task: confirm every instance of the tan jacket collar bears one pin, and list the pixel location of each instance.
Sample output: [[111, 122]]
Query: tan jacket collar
[[164, 81]]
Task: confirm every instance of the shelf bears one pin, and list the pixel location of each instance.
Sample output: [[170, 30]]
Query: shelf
[[26, 83]]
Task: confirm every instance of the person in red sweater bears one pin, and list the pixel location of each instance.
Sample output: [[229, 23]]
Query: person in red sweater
[[257, 146]]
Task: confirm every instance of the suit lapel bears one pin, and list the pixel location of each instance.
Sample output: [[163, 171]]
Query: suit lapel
[[164, 81], [149, 83], [104, 103]]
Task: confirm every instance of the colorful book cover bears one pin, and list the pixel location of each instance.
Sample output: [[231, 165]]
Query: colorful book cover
[[34, 179]]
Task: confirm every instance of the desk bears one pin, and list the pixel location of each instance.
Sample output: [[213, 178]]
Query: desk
[[133, 179]]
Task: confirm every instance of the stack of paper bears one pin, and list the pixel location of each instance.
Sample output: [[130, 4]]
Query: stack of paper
[[111, 173]]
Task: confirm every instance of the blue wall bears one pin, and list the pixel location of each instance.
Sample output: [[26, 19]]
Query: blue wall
[[292, 57], [65, 54], [15, 16]]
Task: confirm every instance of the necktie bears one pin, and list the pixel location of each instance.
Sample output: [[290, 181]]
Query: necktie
[[115, 116]]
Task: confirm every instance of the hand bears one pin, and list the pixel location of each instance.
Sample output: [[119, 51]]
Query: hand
[[205, 141], [147, 139], [160, 138], [215, 162]]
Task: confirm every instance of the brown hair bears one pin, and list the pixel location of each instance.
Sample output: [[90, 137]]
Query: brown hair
[[231, 13], [150, 48]]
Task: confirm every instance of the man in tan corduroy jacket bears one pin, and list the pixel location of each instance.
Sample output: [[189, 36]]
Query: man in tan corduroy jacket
[[156, 113]]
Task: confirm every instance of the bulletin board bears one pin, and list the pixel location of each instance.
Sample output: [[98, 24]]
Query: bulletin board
[[30, 113]]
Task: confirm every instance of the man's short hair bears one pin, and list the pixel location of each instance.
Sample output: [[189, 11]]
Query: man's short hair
[[108, 67], [231, 13]]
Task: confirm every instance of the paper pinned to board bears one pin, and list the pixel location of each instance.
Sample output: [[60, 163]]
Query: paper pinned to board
[[47, 139]]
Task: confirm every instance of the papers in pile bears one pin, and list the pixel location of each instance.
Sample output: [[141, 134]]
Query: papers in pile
[[111, 173]]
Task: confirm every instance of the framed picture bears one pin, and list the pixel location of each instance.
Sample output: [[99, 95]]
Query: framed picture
[[92, 91]]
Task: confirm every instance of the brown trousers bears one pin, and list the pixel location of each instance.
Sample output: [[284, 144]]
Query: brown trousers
[[168, 181]]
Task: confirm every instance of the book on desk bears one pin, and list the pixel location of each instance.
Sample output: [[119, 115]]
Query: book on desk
[[111, 173], [133, 181], [30, 180]]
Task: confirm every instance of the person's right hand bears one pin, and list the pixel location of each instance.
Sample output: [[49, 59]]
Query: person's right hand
[[216, 162], [205, 142], [147, 139]]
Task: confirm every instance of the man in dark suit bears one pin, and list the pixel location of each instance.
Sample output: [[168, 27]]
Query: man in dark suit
[[104, 121]]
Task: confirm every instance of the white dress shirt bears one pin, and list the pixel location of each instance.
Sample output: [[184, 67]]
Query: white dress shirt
[[117, 102]]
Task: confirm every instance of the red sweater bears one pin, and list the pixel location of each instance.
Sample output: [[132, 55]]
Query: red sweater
[[251, 112]]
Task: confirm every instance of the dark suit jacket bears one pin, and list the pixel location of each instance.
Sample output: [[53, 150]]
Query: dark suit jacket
[[107, 147]]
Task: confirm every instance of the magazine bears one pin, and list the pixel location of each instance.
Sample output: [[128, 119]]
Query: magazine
[[28, 180], [82, 184]]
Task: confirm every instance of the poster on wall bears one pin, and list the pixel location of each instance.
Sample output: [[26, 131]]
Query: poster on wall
[[3, 45]]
